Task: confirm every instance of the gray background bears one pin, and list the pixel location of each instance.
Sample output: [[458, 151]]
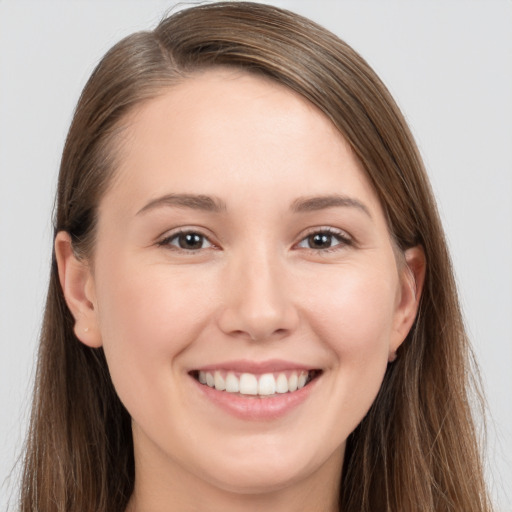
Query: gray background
[[448, 64]]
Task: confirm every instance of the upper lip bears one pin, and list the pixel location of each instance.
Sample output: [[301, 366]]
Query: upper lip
[[257, 367]]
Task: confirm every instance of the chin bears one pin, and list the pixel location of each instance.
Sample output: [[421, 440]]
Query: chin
[[261, 471], [258, 479]]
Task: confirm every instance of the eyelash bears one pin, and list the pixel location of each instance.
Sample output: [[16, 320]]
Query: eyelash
[[166, 242], [343, 239]]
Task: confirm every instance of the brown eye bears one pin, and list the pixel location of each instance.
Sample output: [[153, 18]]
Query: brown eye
[[188, 241], [325, 239], [320, 241]]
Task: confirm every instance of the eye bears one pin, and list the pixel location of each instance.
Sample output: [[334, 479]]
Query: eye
[[187, 241], [325, 239]]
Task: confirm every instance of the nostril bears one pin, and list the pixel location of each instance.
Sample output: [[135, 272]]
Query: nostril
[[259, 312]]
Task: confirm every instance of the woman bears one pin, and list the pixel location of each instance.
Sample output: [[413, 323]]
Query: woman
[[251, 303]]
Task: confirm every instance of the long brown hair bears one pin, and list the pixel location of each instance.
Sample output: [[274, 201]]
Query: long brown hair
[[416, 449]]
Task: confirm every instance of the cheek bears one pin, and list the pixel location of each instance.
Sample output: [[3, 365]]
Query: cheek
[[355, 322], [146, 319], [355, 318]]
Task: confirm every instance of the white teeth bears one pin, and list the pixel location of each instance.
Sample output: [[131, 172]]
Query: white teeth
[[232, 383], [267, 384], [282, 383], [292, 382], [250, 384], [220, 383]]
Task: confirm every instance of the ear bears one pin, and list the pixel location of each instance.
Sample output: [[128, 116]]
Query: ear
[[77, 285], [412, 276]]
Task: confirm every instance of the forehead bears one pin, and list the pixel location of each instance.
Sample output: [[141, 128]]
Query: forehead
[[229, 132]]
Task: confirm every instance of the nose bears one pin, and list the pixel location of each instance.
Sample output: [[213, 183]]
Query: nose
[[258, 304]]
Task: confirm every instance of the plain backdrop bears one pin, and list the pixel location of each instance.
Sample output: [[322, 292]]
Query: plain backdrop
[[449, 65]]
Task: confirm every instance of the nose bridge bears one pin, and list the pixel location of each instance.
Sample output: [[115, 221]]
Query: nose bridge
[[258, 303]]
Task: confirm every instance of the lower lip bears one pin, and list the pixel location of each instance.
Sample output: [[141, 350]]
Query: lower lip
[[254, 407]]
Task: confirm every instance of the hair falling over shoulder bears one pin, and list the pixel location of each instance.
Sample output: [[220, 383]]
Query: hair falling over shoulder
[[416, 449]]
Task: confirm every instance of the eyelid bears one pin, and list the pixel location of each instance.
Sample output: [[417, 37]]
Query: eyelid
[[342, 235], [345, 238], [165, 239]]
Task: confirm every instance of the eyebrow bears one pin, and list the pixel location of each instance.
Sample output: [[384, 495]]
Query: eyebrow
[[216, 205], [192, 201], [309, 204]]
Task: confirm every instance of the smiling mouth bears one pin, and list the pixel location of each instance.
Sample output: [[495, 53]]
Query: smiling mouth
[[256, 385]]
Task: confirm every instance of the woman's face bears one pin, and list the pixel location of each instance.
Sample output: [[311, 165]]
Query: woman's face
[[241, 244]]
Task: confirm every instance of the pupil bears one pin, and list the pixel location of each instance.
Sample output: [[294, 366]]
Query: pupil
[[191, 241], [320, 240]]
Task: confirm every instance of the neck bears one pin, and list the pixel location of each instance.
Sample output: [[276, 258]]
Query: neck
[[282, 501]]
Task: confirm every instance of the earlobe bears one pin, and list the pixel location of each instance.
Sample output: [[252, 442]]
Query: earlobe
[[77, 285], [412, 277]]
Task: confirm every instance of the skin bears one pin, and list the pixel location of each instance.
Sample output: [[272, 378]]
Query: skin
[[255, 289]]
